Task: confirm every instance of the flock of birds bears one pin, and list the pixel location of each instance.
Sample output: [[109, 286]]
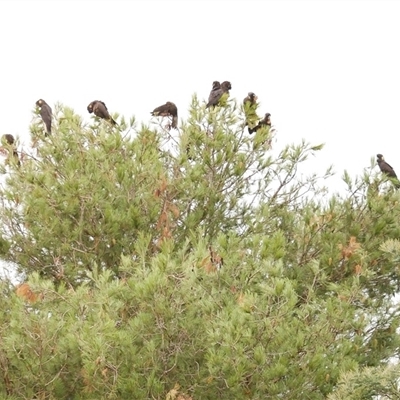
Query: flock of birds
[[169, 109]]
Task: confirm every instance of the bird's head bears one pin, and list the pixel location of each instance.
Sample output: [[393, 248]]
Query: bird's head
[[90, 107], [267, 118], [40, 102], [252, 96], [226, 85], [216, 85], [380, 157], [7, 138]]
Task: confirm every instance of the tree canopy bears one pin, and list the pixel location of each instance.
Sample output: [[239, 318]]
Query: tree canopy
[[193, 264]]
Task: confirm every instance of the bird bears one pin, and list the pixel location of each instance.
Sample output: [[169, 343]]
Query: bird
[[8, 140], [99, 109], [266, 121], [46, 114], [251, 98], [250, 110], [216, 86], [168, 109], [387, 169], [217, 91]]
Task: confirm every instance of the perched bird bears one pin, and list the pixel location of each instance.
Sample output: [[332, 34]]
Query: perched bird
[[46, 114], [387, 169], [217, 91], [266, 121], [250, 110], [216, 86], [169, 109], [251, 98], [100, 110], [8, 141]]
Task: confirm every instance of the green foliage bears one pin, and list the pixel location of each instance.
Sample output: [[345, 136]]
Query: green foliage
[[369, 383], [78, 202], [192, 265]]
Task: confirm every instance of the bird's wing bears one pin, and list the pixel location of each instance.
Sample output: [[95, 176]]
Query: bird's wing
[[46, 114], [389, 166], [46, 111], [104, 104], [214, 97], [100, 110], [390, 170], [161, 111]]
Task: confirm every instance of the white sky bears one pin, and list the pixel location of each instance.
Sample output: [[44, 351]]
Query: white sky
[[327, 71]]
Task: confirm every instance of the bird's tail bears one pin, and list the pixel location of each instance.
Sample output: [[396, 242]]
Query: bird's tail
[[251, 130], [174, 122]]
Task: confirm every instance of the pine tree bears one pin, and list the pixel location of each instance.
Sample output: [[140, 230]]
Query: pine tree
[[191, 265]]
